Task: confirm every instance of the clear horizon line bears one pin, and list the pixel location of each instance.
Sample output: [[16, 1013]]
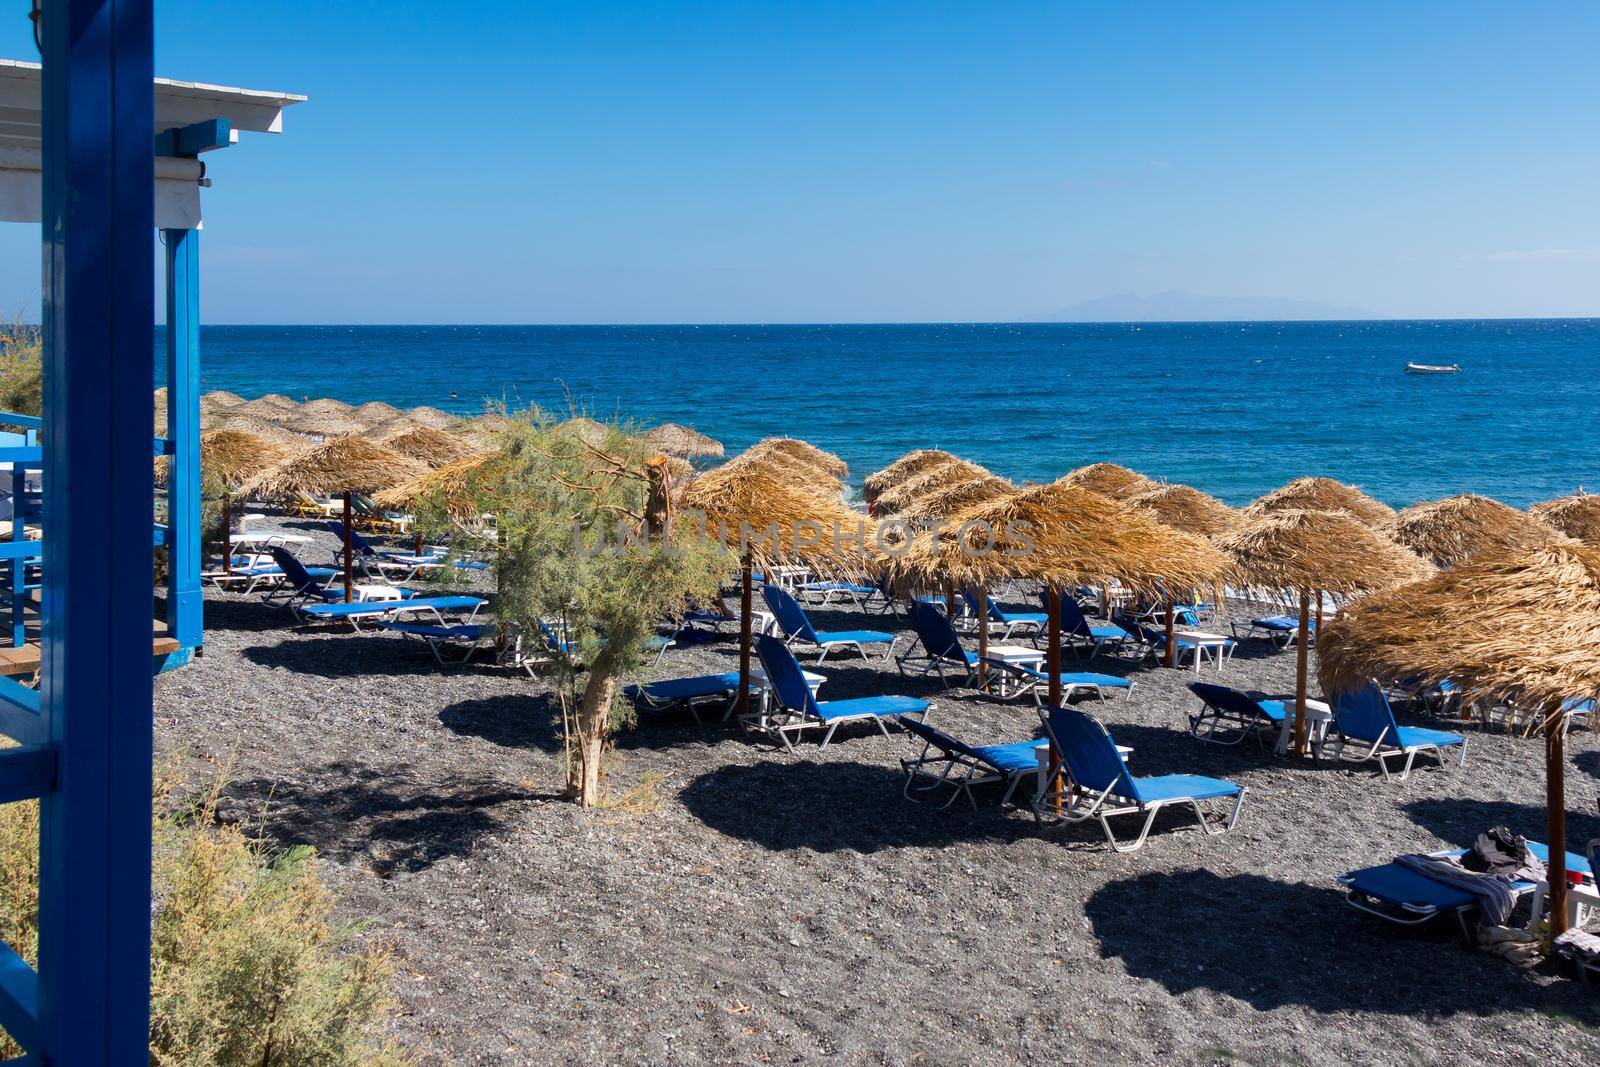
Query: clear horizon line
[[925, 322]]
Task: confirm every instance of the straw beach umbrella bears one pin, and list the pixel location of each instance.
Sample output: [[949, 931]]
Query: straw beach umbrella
[[344, 465], [925, 483], [397, 425], [1186, 508], [1111, 479], [907, 466], [1576, 516], [682, 441], [430, 447], [324, 424], [1316, 552], [1520, 623], [1454, 529], [801, 452], [255, 424], [374, 411], [327, 406], [955, 499], [787, 467], [453, 487], [233, 457], [1323, 494], [743, 501], [222, 400], [431, 416], [273, 407]]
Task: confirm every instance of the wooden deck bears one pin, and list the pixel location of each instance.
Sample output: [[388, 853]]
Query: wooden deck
[[25, 660]]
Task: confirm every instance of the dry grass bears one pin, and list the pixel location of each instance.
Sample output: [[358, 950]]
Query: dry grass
[[1453, 530], [428, 446], [955, 499], [927, 482], [1521, 622], [1065, 535], [344, 465], [1323, 494], [903, 469], [1577, 516], [1328, 550], [1111, 479], [682, 441], [1188, 509]]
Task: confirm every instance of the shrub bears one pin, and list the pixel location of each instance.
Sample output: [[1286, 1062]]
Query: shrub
[[247, 965], [21, 370]]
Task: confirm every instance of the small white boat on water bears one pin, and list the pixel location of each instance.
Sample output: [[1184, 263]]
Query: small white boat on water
[[1432, 368]]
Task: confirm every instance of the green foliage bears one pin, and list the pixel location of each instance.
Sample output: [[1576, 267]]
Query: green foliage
[[570, 551], [21, 370], [247, 965]]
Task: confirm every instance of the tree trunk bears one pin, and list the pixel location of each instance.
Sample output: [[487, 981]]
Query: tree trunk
[[594, 721], [1555, 793], [658, 502]]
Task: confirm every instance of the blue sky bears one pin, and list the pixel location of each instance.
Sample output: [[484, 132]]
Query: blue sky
[[681, 162]]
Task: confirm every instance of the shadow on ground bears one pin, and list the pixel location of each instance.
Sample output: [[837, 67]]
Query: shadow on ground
[[783, 804], [386, 819], [1460, 820], [1275, 944], [511, 720]]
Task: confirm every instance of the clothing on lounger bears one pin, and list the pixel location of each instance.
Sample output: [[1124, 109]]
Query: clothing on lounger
[[1495, 898]]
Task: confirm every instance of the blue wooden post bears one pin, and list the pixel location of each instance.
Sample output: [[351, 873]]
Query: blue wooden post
[[184, 599], [93, 993]]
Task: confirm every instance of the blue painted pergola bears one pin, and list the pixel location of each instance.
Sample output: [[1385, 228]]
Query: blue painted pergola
[[100, 184]]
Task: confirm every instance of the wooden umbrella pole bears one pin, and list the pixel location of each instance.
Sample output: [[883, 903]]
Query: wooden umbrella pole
[[1172, 637], [1300, 675], [1555, 793], [1318, 629], [950, 600], [418, 548], [349, 555], [745, 612], [1052, 648], [983, 635], [227, 537]]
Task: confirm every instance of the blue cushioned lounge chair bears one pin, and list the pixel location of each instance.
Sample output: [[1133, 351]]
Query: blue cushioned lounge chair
[[1364, 719], [1079, 632], [945, 761], [1410, 898], [937, 646], [463, 639], [791, 619], [1152, 644], [1228, 716], [379, 611], [1100, 787], [300, 586], [1002, 615], [796, 709], [1281, 630]]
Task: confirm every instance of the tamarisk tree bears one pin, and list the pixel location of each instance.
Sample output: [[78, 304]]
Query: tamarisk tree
[[585, 562]]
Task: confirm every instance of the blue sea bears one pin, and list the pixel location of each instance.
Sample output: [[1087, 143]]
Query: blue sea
[[1232, 408]]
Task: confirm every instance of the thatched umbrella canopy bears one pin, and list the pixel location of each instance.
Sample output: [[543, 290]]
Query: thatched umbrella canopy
[[327, 406], [800, 452], [1185, 508], [233, 457], [390, 427], [430, 447], [1314, 552], [1577, 516], [273, 408], [1451, 530], [222, 400], [580, 427], [793, 472], [930, 480], [1323, 494], [374, 412], [431, 416], [344, 465], [907, 466], [1519, 623], [255, 424], [1111, 479], [324, 425], [744, 499], [453, 487], [682, 441], [955, 499]]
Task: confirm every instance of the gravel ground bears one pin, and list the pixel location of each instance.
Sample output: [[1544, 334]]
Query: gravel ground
[[782, 909]]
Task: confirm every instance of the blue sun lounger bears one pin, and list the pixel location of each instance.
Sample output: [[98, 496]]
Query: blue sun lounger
[[1153, 644], [392, 610], [791, 619], [1363, 718], [1281, 630], [464, 637], [1228, 716], [1002, 615], [937, 646], [1410, 898], [300, 585], [1079, 632], [1099, 785], [1035, 681], [798, 710], [947, 761]]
